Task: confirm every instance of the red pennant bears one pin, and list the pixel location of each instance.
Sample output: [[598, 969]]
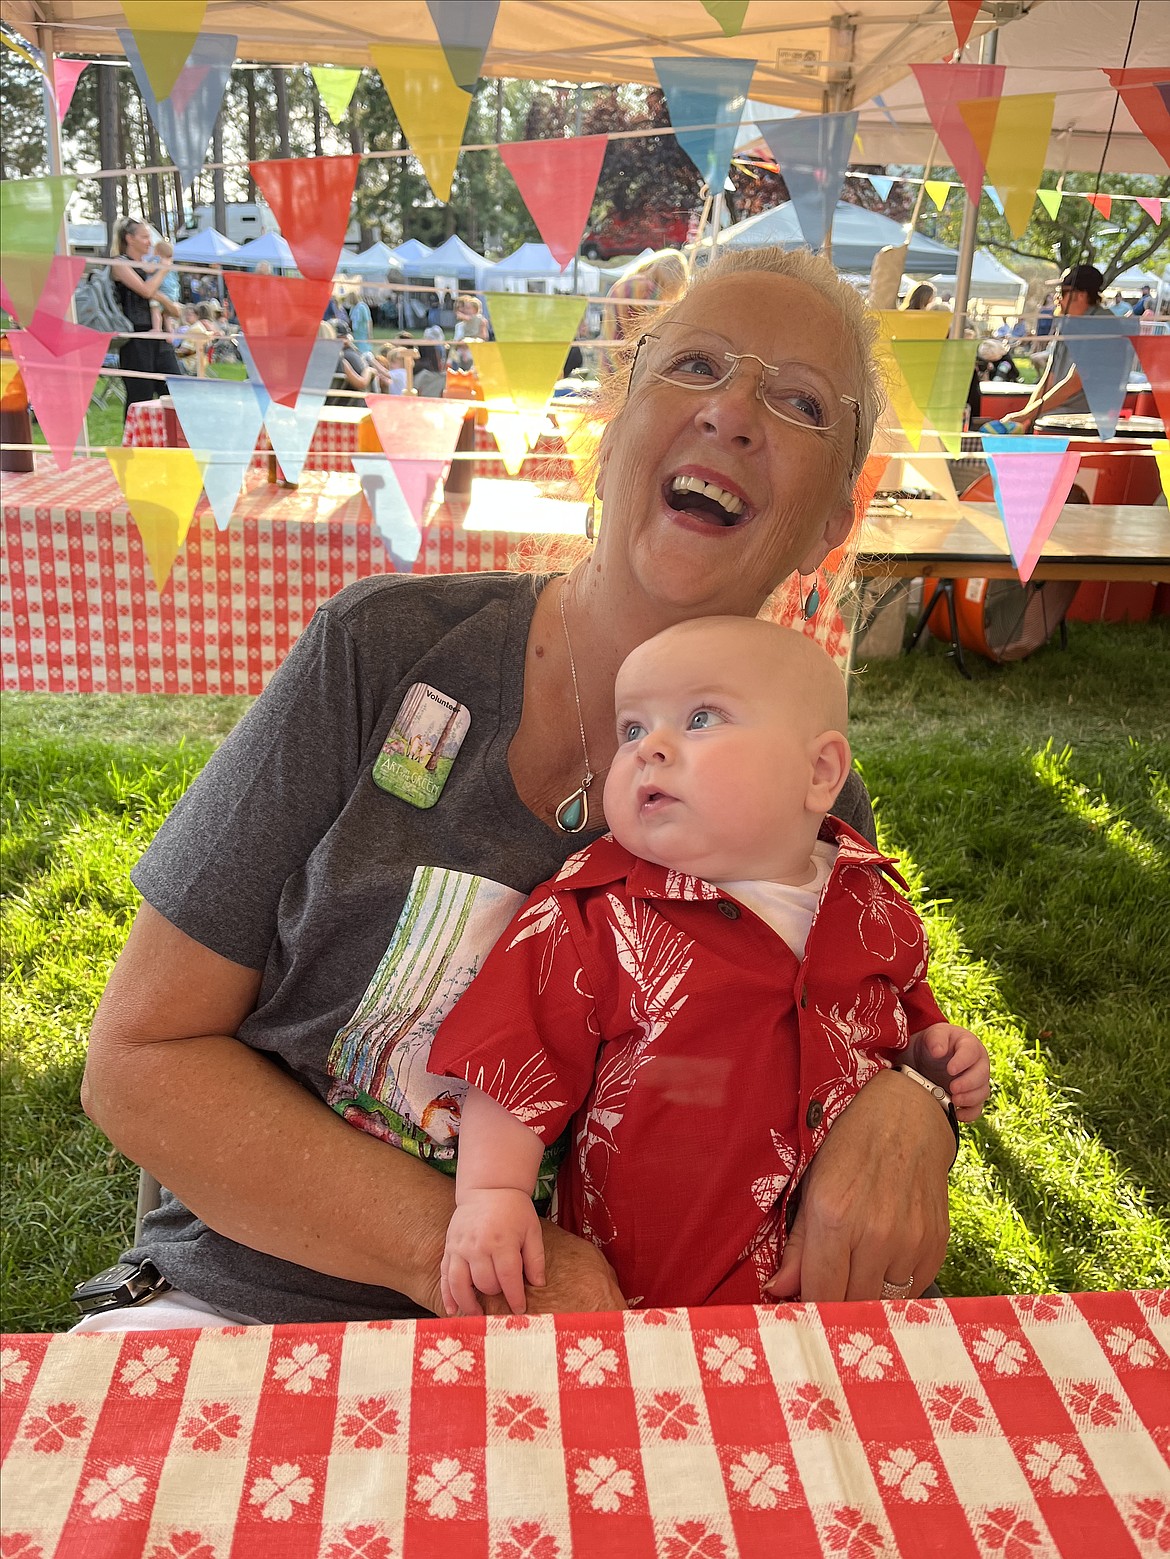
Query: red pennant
[[1151, 205], [1154, 355], [943, 88], [280, 317], [557, 181], [52, 310], [60, 381], [963, 14], [416, 427], [310, 198], [1103, 203], [1143, 93]]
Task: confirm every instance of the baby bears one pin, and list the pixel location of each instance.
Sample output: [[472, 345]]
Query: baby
[[697, 997]]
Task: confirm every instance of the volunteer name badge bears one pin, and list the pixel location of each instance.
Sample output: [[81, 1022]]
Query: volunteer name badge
[[425, 737]]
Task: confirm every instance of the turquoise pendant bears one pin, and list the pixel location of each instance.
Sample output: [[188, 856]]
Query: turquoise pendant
[[572, 816], [811, 601]]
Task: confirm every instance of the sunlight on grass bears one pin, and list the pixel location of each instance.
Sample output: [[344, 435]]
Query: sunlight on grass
[[1051, 768]]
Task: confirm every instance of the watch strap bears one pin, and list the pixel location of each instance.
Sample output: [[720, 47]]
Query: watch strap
[[942, 1096]]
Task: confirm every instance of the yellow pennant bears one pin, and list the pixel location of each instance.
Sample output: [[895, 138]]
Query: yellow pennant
[[1015, 158], [431, 108], [914, 324], [519, 373], [980, 115], [8, 372], [949, 390], [165, 35], [1050, 199], [521, 316], [938, 192], [515, 434], [1161, 447], [907, 325], [161, 488]]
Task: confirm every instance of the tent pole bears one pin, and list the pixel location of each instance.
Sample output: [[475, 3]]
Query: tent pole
[[968, 232]]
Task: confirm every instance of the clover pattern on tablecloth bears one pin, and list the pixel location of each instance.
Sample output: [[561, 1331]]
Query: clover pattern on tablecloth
[[55, 1426], [809, 1408], [1011, 1533], [183, 1545], [119, 1488], [281, 1492], [727, 1357], [362, 1540], [692, 1539], [1043, 1308], [302, 1369], [14, 1367], [1155, 1302], [447, 1487], [861, 1353], [1126, 1346], [908, 1471], [20, 1545], [525, 1540], [850, 1532], [448, 1361], [517, 1416], [591, 1361], [998, 1351], [917, 1312], [760, 1478], [210, 1425], [956, 1408], [1092, 1405], [1149, 1520], [155, 1366], [672, 1416], [605, 1483], [1055, 1464], [368, 1423]]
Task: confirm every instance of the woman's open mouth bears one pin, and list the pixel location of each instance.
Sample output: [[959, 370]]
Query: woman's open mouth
[[705, 501]]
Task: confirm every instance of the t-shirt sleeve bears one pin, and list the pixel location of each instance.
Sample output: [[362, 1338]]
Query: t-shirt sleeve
[[525, 1031], [267, 796], [852, 806]]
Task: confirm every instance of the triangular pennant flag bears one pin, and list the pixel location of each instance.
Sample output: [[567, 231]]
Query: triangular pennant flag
[[1102, 353], [60, 381], [263, 399], [710, 92], [221, 421], [1103, 203], [1151, 205], [51, 314], [416, 427], [728, 13], [919, 362], [522, 316], [909, 325], [557, 181], [813, 153], [1154, 355], [187, 117], [280, 317], [1031, 484], [66, 74], [943, 88], [1050, 199], [164, 37], [390, 509], [431, 108], [949, 390], [520, 374], [993, 195], [1161, 447], [882, 184], [465, 30], [31, 212], [963, 14], [515, 433], [161, 488], [1146, 93], [938, 190], [418, 480], [291, 428], [310, 199], [914, 324], [880, 102], [1019, 145], [336, 85]]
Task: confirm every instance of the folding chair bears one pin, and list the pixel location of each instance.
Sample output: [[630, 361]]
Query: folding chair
[[148, 1200], [109, 387]]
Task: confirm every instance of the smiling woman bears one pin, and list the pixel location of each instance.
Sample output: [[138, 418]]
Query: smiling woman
[[283, 893]]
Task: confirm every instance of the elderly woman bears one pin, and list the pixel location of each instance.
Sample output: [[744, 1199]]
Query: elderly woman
[[273, 891]]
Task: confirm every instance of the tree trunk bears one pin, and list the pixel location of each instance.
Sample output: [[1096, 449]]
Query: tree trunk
[[357, 147], [250, 84], [280, 93], [180, 207], [218, 196], [152, 155], [318, 149], [110, 144]]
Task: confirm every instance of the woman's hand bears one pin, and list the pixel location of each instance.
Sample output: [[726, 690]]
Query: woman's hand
[[873, 1203]]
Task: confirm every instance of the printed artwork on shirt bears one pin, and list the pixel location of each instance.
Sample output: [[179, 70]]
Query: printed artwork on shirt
[[424, 741]]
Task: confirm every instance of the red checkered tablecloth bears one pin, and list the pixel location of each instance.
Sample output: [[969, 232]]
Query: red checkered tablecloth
[[333, 445], [1021, 1428]]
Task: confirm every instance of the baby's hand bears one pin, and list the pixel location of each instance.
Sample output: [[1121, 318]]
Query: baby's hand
[[493, 1243], [957, 1061]]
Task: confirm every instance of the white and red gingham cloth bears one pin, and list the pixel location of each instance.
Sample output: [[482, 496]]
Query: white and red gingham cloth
[[333, 445], [1020, 1428]]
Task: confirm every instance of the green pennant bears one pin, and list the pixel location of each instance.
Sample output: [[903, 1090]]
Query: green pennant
[[1050, 199], [31, 212], [728, 13], [336, 85]]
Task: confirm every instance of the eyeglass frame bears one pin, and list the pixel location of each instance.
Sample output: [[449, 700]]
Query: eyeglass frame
[[738, 357]]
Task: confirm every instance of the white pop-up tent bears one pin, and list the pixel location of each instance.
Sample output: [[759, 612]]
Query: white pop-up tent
[[452, 258], [271, 250], [857, 236], [207, 247], [990, 280]]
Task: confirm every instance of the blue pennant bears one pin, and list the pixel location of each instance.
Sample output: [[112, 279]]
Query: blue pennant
[[706, 92], [813, 153], [221, 421], [186, 118]]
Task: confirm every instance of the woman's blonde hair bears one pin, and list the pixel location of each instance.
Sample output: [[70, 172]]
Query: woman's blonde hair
[[122, 227]]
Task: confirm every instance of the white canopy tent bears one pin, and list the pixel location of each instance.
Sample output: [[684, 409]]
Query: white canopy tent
[[208, 247], [373, 262], [412, 249], [452, 258], [535, 263], [271, 250], [990, 280], [857, 236]]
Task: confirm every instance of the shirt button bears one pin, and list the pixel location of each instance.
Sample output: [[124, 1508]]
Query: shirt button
[[728, 910], [814, 1114]]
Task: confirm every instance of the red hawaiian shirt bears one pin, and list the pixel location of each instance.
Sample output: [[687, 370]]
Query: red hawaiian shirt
[[700, 1062]]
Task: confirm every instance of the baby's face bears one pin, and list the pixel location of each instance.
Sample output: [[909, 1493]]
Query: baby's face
[[716, 751]]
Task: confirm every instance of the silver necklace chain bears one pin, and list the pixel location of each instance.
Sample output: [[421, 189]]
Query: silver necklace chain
[[578, 799]]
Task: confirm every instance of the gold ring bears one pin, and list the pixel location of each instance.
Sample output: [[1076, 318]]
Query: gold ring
[[898, 1290]]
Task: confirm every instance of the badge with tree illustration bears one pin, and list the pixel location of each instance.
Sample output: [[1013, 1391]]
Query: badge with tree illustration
[[424, 738]]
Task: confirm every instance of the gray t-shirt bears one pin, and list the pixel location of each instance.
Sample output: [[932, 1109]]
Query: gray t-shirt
[[285, 856], [1062, 363]]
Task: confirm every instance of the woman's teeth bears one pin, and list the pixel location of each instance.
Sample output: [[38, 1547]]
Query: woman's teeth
[[728, 502]]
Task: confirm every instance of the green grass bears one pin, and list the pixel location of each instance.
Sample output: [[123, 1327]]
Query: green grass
[[1030, 809]]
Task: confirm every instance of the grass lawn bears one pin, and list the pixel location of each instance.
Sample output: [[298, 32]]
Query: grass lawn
[[1031, 812]]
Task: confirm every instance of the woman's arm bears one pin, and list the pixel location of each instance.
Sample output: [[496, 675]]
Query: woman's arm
[[355, 380], [131, 280], [258, 1157]]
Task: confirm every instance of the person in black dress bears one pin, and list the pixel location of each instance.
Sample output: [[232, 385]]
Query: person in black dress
[[136, 288]]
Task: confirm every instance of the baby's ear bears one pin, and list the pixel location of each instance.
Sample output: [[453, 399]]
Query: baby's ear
[[830, 769]]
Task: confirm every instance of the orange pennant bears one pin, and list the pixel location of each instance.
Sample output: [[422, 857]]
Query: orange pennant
[[1019, 131], [1103, 203], [557, 181], [963, 14], [280, 317], [310, 198], [1146, 93]]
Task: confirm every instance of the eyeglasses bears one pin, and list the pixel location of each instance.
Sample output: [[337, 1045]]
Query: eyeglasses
[[689, 358]]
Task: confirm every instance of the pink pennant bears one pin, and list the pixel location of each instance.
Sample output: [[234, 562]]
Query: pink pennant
[[280, 317], [418, 479], [416, 427], [1144, 93], [557, 181], [1103, 203], [52, 310], [1154, 355], [60, 382], [943, 88], [310, 198], [963, 14], [66, 74], [1151, 205], [1031, 489]]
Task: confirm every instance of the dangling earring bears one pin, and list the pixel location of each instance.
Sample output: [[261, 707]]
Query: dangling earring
[[590, 521], [808, 607]]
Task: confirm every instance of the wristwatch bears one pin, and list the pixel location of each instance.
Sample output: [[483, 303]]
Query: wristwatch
[[938, 1093]]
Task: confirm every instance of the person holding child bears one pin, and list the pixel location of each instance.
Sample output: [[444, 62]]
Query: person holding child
[[144, 362], [701, 993], [273, 891]]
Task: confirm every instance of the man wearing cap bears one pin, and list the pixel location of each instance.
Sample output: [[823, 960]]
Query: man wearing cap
[[1060, 387]]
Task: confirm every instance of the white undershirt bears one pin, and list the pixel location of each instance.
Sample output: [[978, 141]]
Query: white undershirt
[[787, 909]]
